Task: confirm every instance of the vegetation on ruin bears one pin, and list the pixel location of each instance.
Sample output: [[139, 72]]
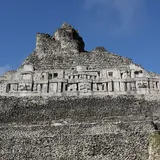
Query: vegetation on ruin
[[154, 146], [155, 141]]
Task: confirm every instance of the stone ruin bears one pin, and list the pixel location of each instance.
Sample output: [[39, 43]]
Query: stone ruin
[[60, 66], [123, 127]]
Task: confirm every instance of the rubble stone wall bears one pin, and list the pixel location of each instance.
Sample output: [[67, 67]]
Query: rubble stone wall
[[113, 128]]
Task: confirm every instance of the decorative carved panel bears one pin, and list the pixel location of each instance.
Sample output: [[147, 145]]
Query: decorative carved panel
[[85, 87]]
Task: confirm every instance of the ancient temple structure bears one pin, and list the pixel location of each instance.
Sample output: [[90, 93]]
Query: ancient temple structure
[[60, 66]]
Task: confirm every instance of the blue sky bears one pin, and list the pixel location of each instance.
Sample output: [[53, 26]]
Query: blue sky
[[130, 28]]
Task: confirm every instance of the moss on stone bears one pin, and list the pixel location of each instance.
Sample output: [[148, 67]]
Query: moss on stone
[[155, 146], [155, 139]]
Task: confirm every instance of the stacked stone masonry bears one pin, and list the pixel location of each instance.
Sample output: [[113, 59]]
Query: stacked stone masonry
[[81, 80]]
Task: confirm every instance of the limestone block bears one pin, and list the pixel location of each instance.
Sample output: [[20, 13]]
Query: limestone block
[[159, 84], [116, 74], [59, 89], [28, 68], [35, 87], [45, 88], [110, 87], [151, 84], [53, 87], [14, 87], [88, 76], [116, 86], [65, 87], [128, 86], [81, 68], [76, 77], [133, 86], [132, 74], [122, 86], [26, 76], [104, 87], [103, 74], [39, 88], [94, 86]]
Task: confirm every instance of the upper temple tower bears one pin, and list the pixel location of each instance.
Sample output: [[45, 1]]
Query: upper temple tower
[[65, 49], [65, 39]]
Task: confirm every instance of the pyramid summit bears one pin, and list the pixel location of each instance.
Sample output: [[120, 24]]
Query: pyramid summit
[[60, 66], [66, 49]]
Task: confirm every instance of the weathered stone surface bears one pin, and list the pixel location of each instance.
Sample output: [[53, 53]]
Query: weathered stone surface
[[72, 128], [65, 47], [28, 110], [57, 48], [72, 142]]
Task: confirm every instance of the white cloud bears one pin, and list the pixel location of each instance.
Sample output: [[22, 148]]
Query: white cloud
[[4, 69], [120, 16]]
